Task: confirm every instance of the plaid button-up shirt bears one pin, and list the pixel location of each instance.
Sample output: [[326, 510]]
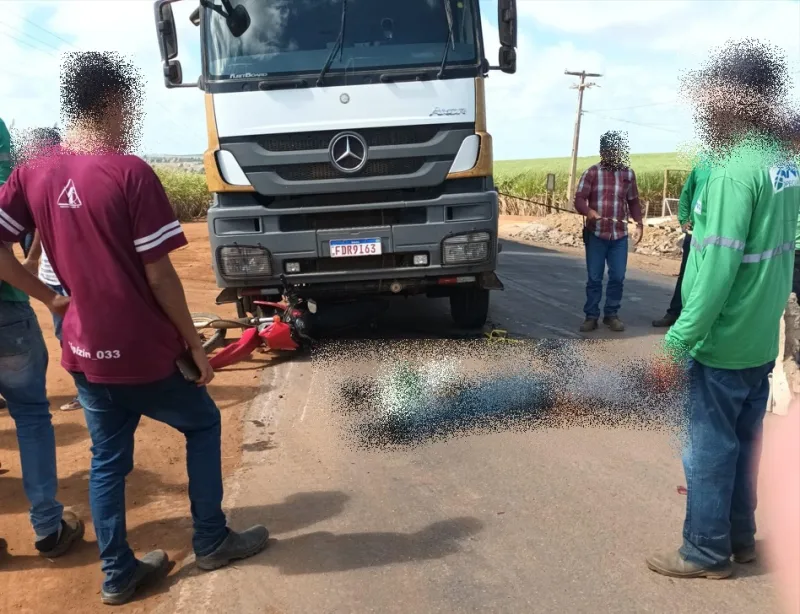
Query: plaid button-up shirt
[[615, 197]]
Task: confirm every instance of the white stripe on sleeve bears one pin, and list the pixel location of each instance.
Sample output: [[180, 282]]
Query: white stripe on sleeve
[[152, 237], [156, 242], [10, 223], [46, 273]]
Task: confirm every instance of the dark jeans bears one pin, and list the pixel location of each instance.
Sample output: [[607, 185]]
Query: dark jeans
[[57, 319], [26, 243], [676, 304], [112, 415], [796, 276], [600, 252], [23, 370], [725, 412]]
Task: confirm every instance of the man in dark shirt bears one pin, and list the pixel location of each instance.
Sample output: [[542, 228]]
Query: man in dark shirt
[[607, 194], [108, 229]]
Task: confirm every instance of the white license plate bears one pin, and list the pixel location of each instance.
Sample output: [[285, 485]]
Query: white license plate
[[355, 247]]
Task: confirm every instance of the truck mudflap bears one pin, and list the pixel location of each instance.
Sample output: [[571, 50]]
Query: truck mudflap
[[490, 281]]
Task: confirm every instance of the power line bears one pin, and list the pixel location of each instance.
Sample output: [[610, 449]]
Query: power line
[[638, 106], [46, 31], [26, 43], [38, 40], [627, 121]]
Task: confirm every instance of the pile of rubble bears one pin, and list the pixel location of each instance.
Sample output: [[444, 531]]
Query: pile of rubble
[[662, 237]]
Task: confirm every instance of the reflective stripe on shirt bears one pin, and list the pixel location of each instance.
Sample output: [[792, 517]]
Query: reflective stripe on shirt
[[739, 245], [46, 274]]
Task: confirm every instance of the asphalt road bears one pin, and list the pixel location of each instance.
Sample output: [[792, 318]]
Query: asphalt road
[[552, 520]]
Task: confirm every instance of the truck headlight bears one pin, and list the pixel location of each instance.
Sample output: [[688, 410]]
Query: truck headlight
[[466, 248], [236, 261]]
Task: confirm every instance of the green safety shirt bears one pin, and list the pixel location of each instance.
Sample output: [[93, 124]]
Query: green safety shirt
[[7, 292], [691, 190], [739, 272]]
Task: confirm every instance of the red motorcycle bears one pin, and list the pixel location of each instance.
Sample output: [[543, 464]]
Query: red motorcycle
[[287, 328]]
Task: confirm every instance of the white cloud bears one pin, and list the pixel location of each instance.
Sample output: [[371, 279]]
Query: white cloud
[[580, 16], [640, 48], [175, 119]]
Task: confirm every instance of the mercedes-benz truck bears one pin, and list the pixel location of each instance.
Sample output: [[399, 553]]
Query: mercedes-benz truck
[[348, 150]]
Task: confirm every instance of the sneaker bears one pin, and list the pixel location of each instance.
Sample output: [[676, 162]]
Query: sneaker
[[745, 555], [55, 545], [152, 567], [665, 322], [236, 546], [589, 324], [614, 323], [72, 405], [673, 565]]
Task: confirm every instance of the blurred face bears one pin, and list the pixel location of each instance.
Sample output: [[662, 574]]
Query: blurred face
[[119, 122]]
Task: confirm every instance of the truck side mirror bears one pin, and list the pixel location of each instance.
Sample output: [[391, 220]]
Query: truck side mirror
[[508, 60], [165, 27], [507, 22], [173, 73]]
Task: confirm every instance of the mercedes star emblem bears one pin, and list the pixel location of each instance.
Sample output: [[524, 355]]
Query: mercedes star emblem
[[344, 98], [348, 152]]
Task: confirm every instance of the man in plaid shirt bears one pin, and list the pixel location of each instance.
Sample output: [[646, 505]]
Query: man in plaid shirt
[[607, 195]]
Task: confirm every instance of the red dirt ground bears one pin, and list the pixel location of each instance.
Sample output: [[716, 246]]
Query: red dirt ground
[[158, 506]]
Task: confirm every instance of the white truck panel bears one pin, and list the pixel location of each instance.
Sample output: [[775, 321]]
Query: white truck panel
[[323, 108]]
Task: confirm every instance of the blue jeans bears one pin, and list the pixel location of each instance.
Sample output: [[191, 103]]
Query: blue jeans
[[600, 252], [112, 415], [23, 371], [57, 319], [725, 412]]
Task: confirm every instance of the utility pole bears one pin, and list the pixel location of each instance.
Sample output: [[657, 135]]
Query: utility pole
[[576, 137]]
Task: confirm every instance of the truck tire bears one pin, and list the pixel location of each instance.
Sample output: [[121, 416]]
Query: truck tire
[[469, 308]]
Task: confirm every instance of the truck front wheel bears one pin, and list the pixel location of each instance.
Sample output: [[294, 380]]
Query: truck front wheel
[[469, 307]]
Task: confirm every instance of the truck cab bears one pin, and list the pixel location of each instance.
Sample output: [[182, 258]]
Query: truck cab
[[347, 146]]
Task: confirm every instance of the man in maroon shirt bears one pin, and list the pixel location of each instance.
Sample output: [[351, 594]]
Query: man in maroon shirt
[[108, 229], [607, 194]]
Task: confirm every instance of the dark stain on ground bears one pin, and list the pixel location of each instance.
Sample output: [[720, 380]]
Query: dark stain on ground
[[260, 446]]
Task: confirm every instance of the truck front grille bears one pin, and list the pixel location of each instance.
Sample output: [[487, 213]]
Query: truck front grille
[[375, 137], [373, 168]]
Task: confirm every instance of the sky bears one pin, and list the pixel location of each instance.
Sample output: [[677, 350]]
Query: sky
[[640, 47]]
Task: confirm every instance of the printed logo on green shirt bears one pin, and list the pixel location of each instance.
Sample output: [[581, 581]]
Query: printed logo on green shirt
[[698, 207], [784, 177]]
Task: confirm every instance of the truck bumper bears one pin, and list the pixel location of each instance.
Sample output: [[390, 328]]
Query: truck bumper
[[239, 220]]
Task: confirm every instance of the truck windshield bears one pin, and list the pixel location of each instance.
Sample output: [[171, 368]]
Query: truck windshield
[[290, 37]]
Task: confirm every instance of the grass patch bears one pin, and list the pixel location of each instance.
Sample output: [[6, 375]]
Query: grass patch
[[187, 192], [528, 178], [190, 198]]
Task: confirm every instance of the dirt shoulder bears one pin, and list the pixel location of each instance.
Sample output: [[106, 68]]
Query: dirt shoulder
[[157, 502], [657, 253]]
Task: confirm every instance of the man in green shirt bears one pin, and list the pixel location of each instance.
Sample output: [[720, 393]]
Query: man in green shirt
[[23, 371], [691, 189], [738, 278], [5, 153]]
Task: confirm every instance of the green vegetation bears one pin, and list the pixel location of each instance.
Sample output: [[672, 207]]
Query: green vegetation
[[187, 192], [528, 178], [189, 195]]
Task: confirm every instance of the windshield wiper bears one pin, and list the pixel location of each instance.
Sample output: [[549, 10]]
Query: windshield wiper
[[448, 11], [282, 84], [337, 46]]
